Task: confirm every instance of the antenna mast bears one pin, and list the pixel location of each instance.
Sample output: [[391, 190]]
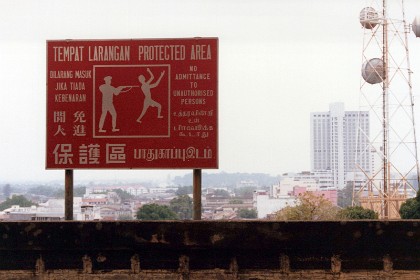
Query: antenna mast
[[386, 95]]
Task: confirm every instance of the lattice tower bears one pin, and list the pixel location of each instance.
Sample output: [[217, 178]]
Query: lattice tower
[[392, 175]]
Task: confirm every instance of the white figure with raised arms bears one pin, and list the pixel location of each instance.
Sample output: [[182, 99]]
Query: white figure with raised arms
[[148, 101]]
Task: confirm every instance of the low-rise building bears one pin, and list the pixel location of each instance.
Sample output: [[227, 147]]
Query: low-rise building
[[330, 195], [267, 205], [51, 210]]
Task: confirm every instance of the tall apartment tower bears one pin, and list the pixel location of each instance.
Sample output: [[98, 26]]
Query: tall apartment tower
[[335, 143]]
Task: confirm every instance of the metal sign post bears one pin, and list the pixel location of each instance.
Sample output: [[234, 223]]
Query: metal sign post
[[197, 194], [68, 195]]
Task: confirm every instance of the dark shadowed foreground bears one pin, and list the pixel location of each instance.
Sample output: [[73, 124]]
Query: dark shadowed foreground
[[69, 250]]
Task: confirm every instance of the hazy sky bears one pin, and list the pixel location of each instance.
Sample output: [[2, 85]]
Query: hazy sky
[[278, 61]]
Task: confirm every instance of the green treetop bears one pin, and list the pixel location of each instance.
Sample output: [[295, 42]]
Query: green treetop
[[150, 212]]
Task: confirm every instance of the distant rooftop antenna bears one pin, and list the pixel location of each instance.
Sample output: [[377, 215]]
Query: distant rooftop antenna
[[386, 92]]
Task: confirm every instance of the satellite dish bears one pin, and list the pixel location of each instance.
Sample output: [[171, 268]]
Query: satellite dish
[[416, 26], [373, 71], [369, 18]]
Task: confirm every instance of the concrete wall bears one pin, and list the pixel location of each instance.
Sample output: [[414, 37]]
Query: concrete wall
[[210, 250]]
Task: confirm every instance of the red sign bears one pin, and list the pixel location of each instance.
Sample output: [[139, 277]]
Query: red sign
[[132, 103]]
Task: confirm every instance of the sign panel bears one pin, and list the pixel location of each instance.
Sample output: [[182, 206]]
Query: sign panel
[[132, 103]]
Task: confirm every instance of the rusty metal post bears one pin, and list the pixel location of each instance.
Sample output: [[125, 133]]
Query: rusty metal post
[[197, 194], [68, 195]]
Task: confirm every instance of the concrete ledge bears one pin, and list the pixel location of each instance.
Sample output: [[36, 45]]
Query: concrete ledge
[[184, 246]]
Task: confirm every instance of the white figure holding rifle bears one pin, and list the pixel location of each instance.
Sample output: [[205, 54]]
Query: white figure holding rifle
[[148, 101], [108, 93]]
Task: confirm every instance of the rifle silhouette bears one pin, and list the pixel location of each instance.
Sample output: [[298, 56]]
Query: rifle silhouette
[[126, 88]]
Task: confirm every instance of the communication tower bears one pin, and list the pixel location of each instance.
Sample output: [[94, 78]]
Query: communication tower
[[392, 173]]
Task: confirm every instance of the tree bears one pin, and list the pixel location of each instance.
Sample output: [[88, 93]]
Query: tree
[[236, 201], [245, 192], [124, 195], [77, 192], [345, 195], [16, 200], [308, 207], [183, 206], [155, 212], [184, 190], [410, 209], [356, 213], [247, 213], [43, 190], [125, 217], [7, 190], [221, 193]]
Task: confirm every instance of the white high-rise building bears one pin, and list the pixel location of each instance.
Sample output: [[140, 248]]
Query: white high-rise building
[[336, 145]]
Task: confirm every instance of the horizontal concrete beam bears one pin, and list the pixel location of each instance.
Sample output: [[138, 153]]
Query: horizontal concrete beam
[[209, 245]]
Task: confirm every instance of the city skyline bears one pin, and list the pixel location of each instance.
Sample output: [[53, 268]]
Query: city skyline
[[279, 61]]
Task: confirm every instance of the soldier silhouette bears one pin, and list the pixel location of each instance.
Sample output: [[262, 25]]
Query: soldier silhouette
[[108, 92]]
